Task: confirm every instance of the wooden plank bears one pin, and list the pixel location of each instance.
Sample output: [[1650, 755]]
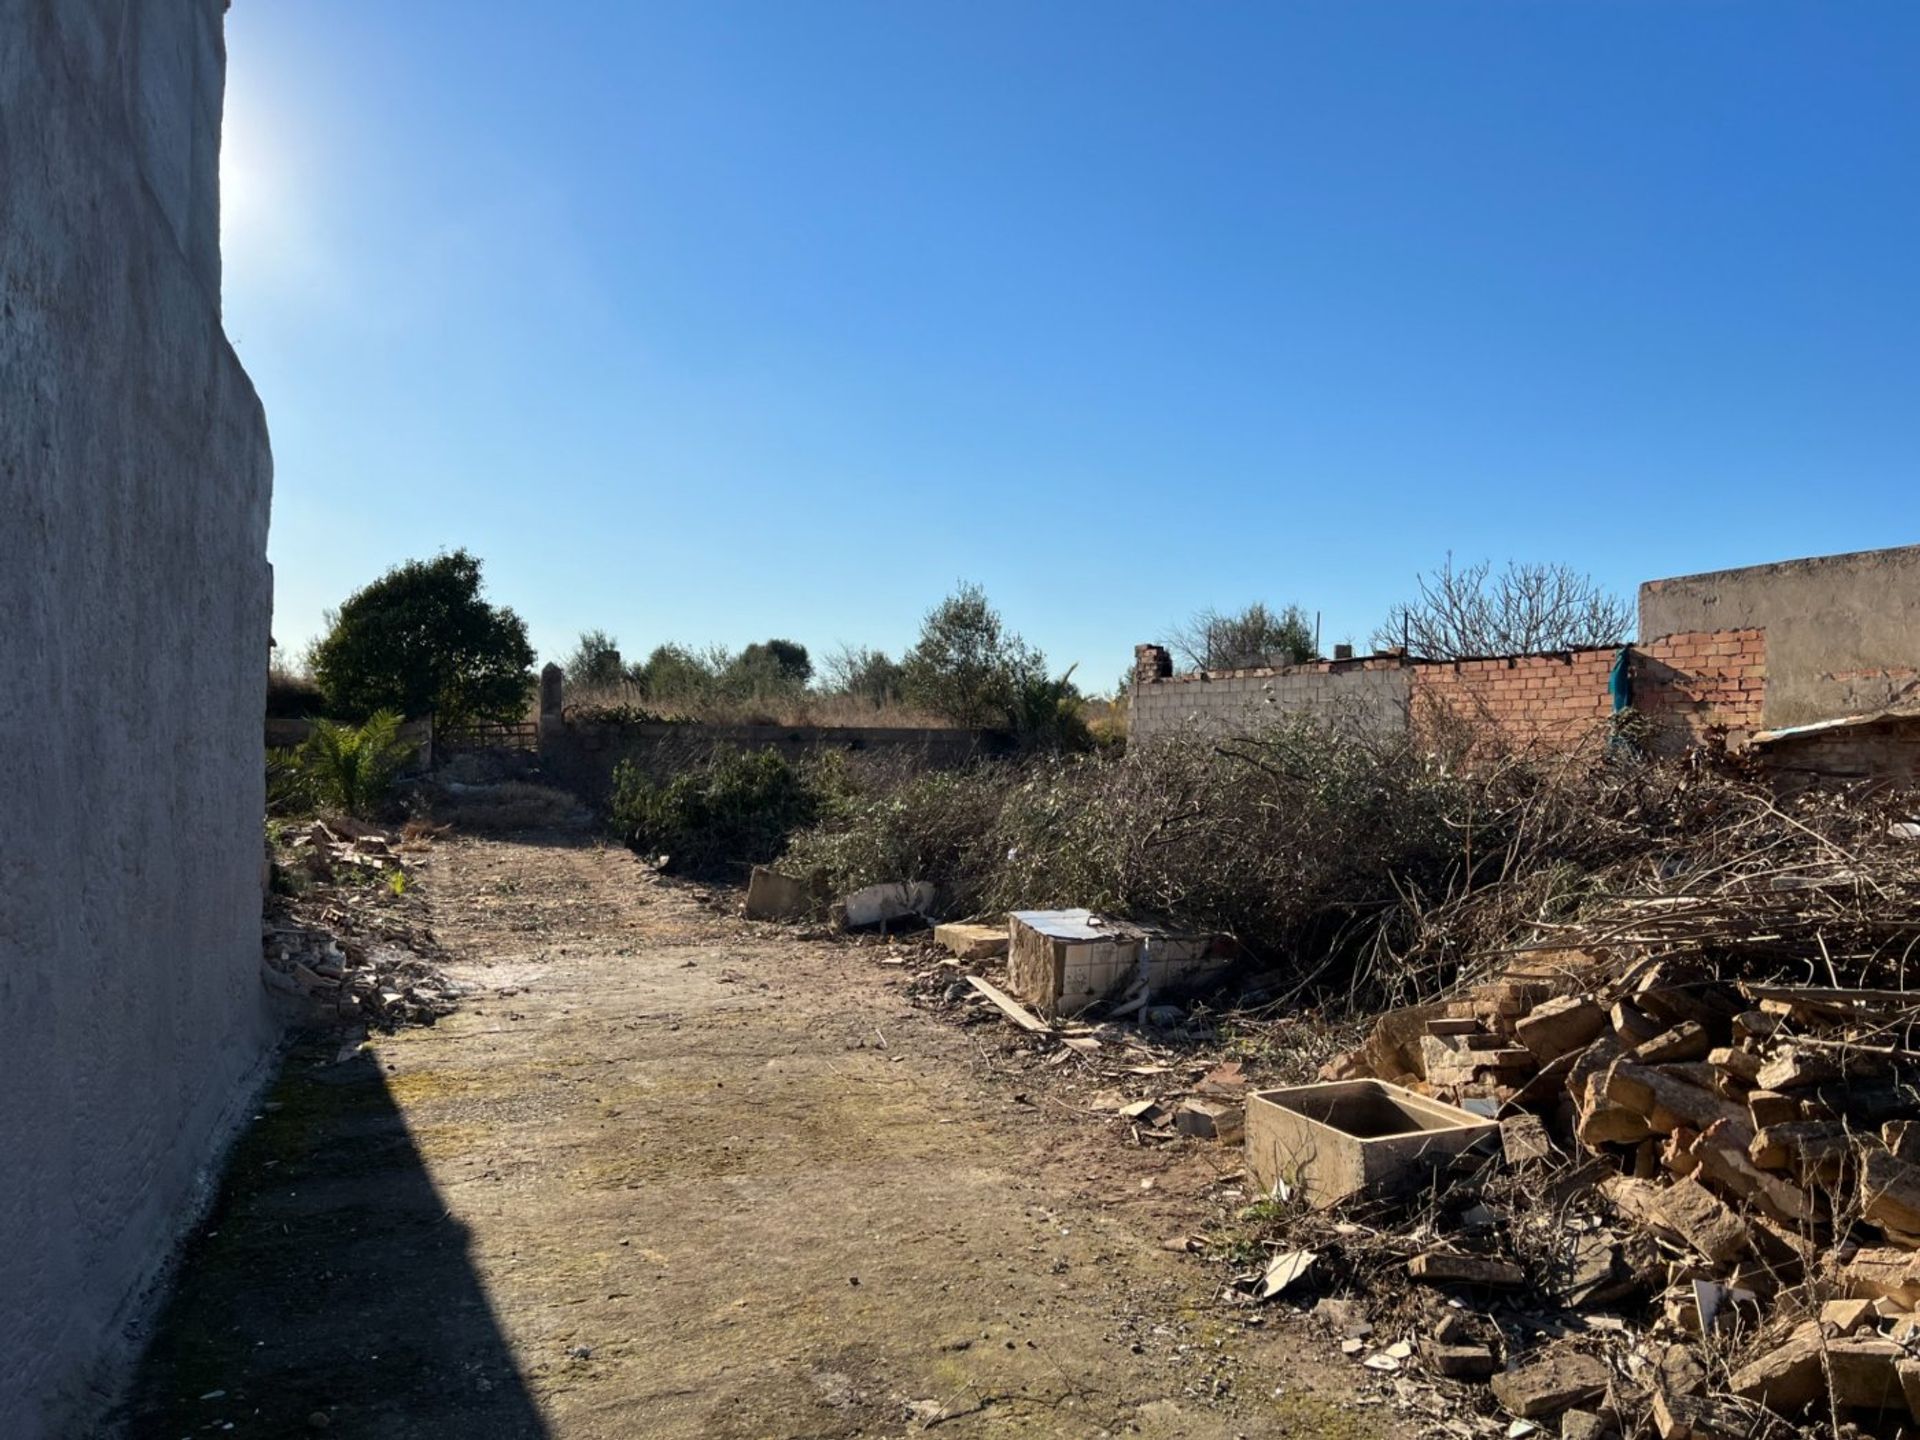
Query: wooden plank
[[1828, 995], [1008, 1006]]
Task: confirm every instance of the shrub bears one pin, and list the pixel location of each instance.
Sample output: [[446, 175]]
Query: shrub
[[735, 808], [1300, 841], [861, 673], [1046, 714], [675, 673], [938, 825], [770, 666], [351, 767]]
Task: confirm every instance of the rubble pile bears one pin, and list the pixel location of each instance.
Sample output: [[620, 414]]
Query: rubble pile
[[343, 931], [1708, 1195], [1692, 1208]]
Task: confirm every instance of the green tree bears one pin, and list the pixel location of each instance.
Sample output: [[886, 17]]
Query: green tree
[[1048, 713], [595, 661], [1256, 635], [966, 665], [767, 668], [675, 673], [421, 640]]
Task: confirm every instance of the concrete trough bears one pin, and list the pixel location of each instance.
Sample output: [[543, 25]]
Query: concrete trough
[[1354, 1137]]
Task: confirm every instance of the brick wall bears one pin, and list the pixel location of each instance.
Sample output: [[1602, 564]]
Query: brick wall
[[1885, 750], [1553, 700], [1688, 683], [1684, 684]]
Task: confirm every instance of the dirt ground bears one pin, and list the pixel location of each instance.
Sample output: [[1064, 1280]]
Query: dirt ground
[[668, 1173]]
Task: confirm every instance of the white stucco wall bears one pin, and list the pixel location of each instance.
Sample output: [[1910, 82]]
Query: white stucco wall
[[134, 605]]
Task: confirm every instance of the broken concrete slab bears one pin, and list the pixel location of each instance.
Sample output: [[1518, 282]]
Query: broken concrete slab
[[1548, 1386], [1702, 1219], [1688, 1040], [1882, 1270], [1862, 1372], [1445, 1267], [1664, 1099], [773, 896], [1846, 1317], [883, 904], [1557, 1026], [1909, 1372], [1586, 1425], [1785, 1376], [1890, 1192], [1460, 1362], [1210, 1120], [1698, 1417], [1524, 1138], [1724, 1163]]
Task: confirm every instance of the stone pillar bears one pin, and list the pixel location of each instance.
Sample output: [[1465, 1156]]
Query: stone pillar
[[552, 694]]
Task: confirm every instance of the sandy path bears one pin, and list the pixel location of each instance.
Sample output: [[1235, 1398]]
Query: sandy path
[[670, 1174]]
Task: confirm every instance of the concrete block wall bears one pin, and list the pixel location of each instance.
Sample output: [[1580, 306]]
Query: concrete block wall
[[134, 608], [1368, 697]]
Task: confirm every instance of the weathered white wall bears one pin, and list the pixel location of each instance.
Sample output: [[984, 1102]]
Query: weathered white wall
[[134, 482], [1843, 631], [1371, 700]]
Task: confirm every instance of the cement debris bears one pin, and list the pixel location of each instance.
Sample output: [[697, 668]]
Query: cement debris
[[344, 931]]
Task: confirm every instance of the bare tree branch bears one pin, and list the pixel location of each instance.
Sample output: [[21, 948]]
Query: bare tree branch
[[1521, 610]]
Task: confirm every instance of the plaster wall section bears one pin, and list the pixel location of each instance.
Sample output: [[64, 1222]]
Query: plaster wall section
[[1842, 631], [134, 607]]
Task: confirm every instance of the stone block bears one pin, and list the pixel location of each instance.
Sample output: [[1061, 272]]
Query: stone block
[[971, 942]]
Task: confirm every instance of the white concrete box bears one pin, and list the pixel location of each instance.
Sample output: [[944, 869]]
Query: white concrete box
[[1062, 961], [1353, 1137]]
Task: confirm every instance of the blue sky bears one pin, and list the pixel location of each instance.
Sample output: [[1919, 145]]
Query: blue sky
[[710, 321]]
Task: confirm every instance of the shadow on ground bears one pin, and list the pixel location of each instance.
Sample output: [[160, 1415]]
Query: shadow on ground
[[330, 1281]]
